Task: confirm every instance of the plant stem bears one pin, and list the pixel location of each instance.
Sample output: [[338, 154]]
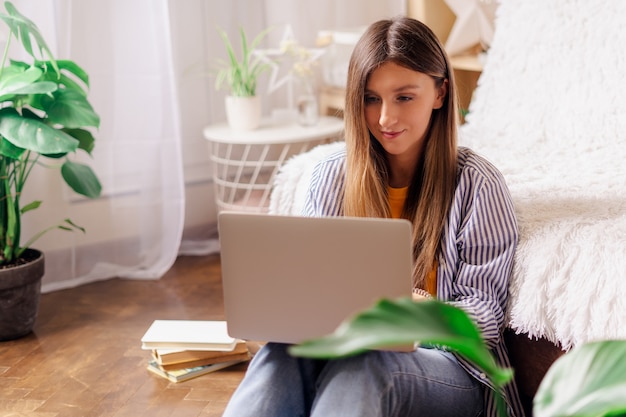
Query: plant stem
[[4, 187], [6, 52]]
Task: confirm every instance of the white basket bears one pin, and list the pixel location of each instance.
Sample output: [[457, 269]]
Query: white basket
[[243, 174]]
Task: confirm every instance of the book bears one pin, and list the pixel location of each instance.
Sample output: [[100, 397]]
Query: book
[[176, 356], [188, 373], [188, 335], [243, 356]]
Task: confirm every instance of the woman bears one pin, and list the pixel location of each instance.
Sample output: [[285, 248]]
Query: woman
[[401, 160]]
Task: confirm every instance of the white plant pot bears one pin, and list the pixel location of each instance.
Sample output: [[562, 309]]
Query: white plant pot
[[243, 113]]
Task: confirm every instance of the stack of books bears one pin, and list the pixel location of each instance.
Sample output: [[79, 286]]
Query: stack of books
[[185, 349]]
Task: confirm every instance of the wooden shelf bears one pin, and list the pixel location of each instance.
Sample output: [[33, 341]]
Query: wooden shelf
[[466, 63]]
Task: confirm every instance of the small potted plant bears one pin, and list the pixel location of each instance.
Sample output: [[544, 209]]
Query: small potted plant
[[240, 75], [44, 114]]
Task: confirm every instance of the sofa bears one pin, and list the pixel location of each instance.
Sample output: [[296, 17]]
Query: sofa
[[550, 112]]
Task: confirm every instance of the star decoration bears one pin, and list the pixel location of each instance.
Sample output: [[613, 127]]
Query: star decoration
[[474, 24], [299, 61]]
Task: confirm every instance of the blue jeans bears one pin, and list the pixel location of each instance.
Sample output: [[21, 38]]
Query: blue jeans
[[427, 382]]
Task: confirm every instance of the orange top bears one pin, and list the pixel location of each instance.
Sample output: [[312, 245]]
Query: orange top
[[397, 197]]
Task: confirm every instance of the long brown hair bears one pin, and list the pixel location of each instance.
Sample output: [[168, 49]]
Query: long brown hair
[[409, 43]]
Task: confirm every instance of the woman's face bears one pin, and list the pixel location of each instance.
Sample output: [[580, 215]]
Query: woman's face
[[398, 106]]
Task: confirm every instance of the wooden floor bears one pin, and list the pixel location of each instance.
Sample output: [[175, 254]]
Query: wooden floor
[[84, 357]]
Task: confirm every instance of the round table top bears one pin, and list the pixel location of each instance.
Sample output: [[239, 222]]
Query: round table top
[[274, 132]]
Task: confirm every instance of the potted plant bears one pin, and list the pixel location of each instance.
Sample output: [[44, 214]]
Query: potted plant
[[44, 114], [240, 75]]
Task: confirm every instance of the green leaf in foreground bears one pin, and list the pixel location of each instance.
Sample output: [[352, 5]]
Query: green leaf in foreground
[[402, 322], [590, 380]]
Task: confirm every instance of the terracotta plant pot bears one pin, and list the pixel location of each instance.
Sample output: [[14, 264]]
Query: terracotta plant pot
[[20, 287]]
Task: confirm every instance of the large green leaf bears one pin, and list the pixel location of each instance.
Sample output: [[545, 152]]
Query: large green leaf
[[75, 69], [9, 150], [402, 322], [588, 381], [40, 87], [70, 73], [86, 141], [23, 29], [81, 179], [70, 108], [34, 135], [16, 80]]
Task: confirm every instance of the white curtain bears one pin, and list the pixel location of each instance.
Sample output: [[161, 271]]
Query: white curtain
[[147, 61]]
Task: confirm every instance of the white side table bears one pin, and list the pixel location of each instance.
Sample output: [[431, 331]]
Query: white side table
[[245, 162]]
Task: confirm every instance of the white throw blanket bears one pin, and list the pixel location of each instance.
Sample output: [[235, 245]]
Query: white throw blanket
[[550, 113]]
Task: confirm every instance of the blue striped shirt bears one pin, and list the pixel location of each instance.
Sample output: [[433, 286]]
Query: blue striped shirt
[[477, 249]]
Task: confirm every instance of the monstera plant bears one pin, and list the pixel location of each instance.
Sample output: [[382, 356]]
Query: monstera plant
[[44, 120]]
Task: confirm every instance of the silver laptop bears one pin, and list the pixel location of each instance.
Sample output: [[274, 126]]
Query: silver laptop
[[288, 279]]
